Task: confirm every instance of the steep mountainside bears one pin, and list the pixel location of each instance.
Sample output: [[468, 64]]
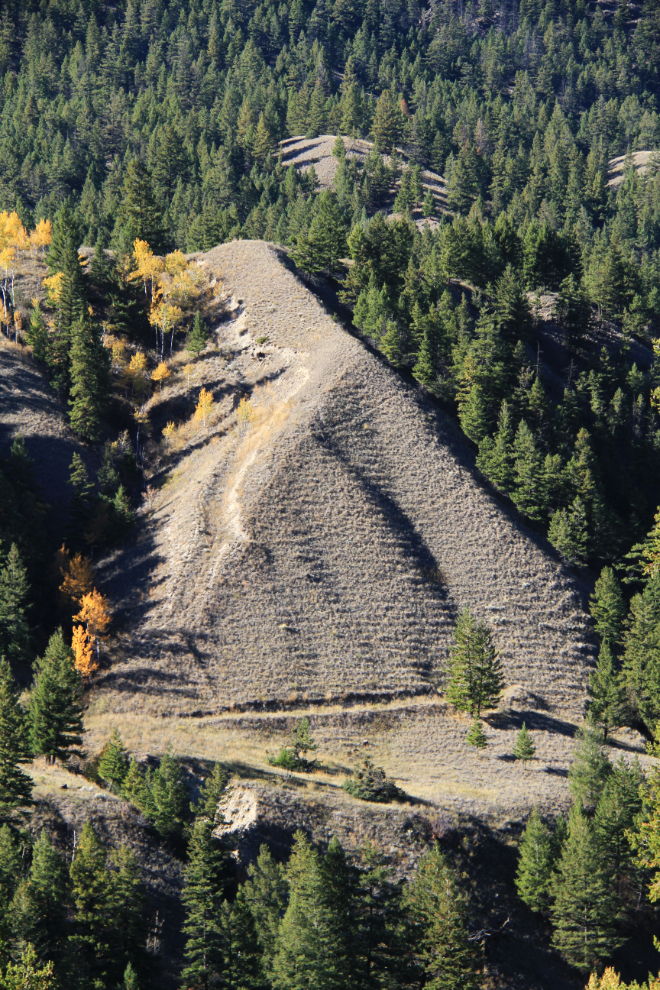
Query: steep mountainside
[[317, 548]]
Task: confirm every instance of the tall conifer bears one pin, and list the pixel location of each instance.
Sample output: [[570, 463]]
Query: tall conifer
[[15, 786], [55, 706]]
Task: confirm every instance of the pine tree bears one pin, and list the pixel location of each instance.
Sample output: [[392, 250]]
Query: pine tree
[[425, 370], [198, 335], [439, 908], [89, 380], [475, 672], [242, 963], [390, 343], [476, 736], [113, 765], [10, 874], [568, 532], [135, 788], [142, 217], [71, 304], [589, 768], [41, 903], [26, 973], [311, 951], [266, 894], [535, 864], [126, 906], [91, 886], [130, 980], [473, 415], [55, 705], [14, 592], [584, 911], [202, 897], [386, 127], [379, 926], [37, 334], [170, 801], [495, 458], [607, 700], [617, 812], [210, 793], [82, 503], [528, 494], [524, 749], [15, 786], [428, 206], [641, 664], [607, 607]]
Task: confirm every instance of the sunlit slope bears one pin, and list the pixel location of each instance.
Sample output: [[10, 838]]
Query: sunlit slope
[[323, 548]]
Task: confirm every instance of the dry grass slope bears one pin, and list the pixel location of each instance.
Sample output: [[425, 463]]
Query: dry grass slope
[[327, 549]]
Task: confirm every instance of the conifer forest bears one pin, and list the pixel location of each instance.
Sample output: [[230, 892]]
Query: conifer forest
[[461, 201]]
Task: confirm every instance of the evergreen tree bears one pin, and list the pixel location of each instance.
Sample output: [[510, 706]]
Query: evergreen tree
[[528, 494], [311, 951], [584, 911], [641, 663], [568, 532], [126, 907], [10, 874], [135, 788], [113, 765], [425, 369], [473, 415], [535, 864], [15, 786], [379, 927], [202, 897], [438, 908], [169, 798], [141, 215], [55, 705], [210, 793], [14, 592], [607, 607], [82, 502], [476, 736], [198, 335], [37, 334], [607, 700], [495, 457], [266, 894], [89, 380], [91, 887], [386, 127], [590, 766], [475, 672], [617, 812], [39, 911], [71, 301], [524, 749]]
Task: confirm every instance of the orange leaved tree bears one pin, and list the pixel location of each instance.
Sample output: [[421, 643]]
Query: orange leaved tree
[[95, 615], [204, 405], [78, 576], [83, 652]]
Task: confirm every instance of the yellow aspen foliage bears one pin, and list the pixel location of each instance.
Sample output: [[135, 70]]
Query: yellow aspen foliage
[[41, 236], [78, 576], [175, 263], [12, 231], [161, 374], [138, 364], [610, 980], [95, 615], [204, 406], [137, 372], [246, 415], [188, 370], [147, 267], [83, 654], [53, 286], [168, 432]]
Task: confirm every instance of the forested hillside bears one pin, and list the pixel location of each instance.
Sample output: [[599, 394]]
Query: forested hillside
[[135, 137]]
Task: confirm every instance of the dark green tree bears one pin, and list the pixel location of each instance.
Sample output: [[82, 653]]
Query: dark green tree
[[14, 594], [641, 662], [141, 215], [475, 673], [617, 812], [10, 876], [90, 381], [265, 894], [39, 911], [169, 798], [198, 335], [15, 786], [113, 765], [37, 334], [210, 793], [584, 912], [475, 735], [205, 879], [607, 699], [386, 127], [535, 864], [439, 912], [55, 706], [590, 767], [524, 749], [91, 887], [607, 607]]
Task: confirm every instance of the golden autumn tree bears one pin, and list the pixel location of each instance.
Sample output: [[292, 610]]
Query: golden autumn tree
[[168, 432], [78, 576], [41, 236], [204, 405], [83, 652], [95, 615], [161, 374]]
